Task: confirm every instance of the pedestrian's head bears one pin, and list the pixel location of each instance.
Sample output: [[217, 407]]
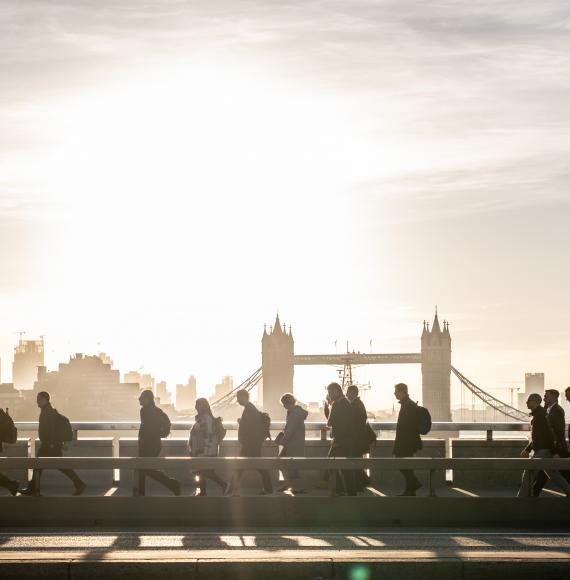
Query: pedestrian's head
[[242, 397], [400, 391], [352, 392], [42, 399], [551, 397], [334, 391], [533, 401], [146, 398], [203, 407], [288, 401], [567, 393]]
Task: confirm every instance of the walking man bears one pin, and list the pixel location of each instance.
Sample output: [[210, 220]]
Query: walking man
[[155, 425], [251, 434], [542, 445], [342, 432], [50, 433], [292, 440], [7, 434], [408, 441], [361, 434], [556, 419]]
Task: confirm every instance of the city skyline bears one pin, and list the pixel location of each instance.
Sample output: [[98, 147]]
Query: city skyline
[[172, 174]]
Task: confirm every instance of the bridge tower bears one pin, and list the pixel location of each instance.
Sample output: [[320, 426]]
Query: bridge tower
[[436, 370], [277, 348]]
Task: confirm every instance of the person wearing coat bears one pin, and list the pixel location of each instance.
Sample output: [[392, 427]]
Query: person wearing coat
[[408, 441], [361, 444], [11, 485], [556, 418], [204, 442], [542, 445], [292, 440], [150, 444], [340, 421], [50, 446]]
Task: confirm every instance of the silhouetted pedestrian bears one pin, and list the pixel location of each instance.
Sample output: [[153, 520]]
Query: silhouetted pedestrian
[[53, 432], [155, 425], [8, 434], [362, 432], [408, 441], [292, 440], [542, 445], [252, 432], [556, 419], [205, 442], [342, 432]]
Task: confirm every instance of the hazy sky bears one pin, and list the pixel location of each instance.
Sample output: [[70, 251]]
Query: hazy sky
[[173, 172]]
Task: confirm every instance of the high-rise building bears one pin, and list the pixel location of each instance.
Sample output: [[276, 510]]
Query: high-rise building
[[145, 381], [163, 393], [223, 388], [436, 370], [186, 395], [87, 389], [533, 383], [28, 356], [277, 350]]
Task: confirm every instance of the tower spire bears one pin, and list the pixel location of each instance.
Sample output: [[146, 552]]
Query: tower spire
[[435, 326]]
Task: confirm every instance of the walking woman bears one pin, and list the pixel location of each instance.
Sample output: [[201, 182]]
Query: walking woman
[[205, 439]]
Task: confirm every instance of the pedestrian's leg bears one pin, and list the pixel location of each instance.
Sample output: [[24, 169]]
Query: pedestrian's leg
[[10, 484], [213, 476], [266, 480], [169, 482], [539, 481], [560, 481], [525, 484]]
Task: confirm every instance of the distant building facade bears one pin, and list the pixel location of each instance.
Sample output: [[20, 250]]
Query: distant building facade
[[87, 389], [186, 395], [28, 356], [223, 388], [533, 383], [436, 370], [277, 351]]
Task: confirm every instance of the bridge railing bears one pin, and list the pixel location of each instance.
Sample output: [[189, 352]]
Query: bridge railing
[[312, 426], [431, 465]]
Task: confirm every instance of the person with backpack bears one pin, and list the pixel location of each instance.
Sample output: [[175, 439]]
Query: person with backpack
[[8, 434], [205, 438], [155, 425], [253, 430], [292, 440], [408, 441], [53, 432]]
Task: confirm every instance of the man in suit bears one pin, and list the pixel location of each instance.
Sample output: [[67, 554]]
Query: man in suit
[[341, 423], [408, 441], [361, 444], [50, 446], [556, 419], [542, 444]]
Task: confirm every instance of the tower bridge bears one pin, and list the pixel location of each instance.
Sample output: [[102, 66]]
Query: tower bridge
[[278, 361]]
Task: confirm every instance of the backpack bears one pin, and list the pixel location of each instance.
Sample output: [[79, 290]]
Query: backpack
[[164, 423], [219, 429], [424, 421], [8, 431], [264, 425], [63, 430]]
